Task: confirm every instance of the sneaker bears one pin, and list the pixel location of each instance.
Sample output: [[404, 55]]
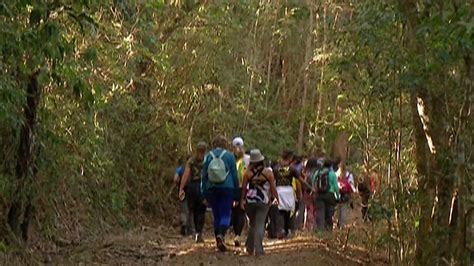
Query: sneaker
[[237, 241], [199, 238], [220, 243], [281, 235], [248, 252]]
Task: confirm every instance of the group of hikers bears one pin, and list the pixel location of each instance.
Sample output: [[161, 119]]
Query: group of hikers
[[275, 196]]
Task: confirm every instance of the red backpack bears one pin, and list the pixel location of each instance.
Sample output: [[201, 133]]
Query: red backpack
[[344, 185]]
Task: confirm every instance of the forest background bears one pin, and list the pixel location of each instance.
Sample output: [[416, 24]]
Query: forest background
[[100, 98]]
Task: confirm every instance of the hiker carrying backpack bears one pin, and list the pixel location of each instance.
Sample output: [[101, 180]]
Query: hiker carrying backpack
[[320, 181], [220, 186], [346, 187], [324, 183], [217, 170], [191, 181]]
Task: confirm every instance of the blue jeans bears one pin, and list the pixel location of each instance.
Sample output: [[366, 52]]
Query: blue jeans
[[221, 200]]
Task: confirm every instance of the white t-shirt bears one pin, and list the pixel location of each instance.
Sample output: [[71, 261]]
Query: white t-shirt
[[246, 160]]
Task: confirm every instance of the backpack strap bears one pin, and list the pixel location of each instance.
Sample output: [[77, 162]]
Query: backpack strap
[[222, 154], [314, 177], [212, 155], [258, 173], [318, 173]]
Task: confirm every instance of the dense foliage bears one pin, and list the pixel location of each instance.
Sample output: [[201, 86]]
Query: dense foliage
[[100, 98]]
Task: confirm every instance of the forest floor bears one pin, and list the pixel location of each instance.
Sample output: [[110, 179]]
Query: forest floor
[[155, 246], [161, 245]]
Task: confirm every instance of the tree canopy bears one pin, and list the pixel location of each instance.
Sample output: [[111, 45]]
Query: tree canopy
[[100, 98]]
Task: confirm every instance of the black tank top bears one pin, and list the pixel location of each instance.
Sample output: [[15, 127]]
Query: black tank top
[[283, 175]]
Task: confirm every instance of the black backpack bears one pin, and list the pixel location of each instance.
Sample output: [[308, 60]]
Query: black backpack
[[322, 181]]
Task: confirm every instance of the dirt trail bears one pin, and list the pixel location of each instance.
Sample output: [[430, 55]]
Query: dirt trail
[[163, 246]]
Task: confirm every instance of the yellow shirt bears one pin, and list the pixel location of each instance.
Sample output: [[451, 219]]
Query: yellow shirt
[[240, 164]]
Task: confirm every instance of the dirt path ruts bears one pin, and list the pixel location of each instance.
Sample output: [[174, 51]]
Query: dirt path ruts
[[162, 246]]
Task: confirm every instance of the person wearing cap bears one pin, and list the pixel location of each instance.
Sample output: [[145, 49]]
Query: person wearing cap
[[258, 185], [239, 142], [192, 181], [223, 193], [238, 215]]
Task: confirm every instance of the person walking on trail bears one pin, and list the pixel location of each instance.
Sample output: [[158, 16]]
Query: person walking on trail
[[346, 185], [255, 200], [312, 165], [327, 194], [367, 188], [273, 211], [297, 219], [220, 185], [238, 214], [192, 179], [184, 214], [284, 176]]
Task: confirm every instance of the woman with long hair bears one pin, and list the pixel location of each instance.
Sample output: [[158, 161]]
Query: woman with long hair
[[255, 200]]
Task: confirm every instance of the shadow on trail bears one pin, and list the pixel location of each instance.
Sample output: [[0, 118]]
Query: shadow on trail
[[301, 250], [163, 246]]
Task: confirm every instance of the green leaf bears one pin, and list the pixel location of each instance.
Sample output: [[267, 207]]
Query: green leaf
[[3, 247], [78, 88], [86, 19], [90, 54], [5, 11], [156, 4], [468, 25], [35, 16]]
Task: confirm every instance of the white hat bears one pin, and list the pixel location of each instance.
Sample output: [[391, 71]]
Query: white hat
[[238, 142]]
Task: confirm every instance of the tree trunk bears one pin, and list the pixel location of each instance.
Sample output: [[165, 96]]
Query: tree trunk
[[438, 170], [319, 132], [270, 55], [438, 176], [21, 209], [433, 158], [253, 66], [307, 58], [425, 186]]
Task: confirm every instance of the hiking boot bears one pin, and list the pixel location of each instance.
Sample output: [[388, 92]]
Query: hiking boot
[[220, 243], [199, 238], [183, 230], [237, 241]]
